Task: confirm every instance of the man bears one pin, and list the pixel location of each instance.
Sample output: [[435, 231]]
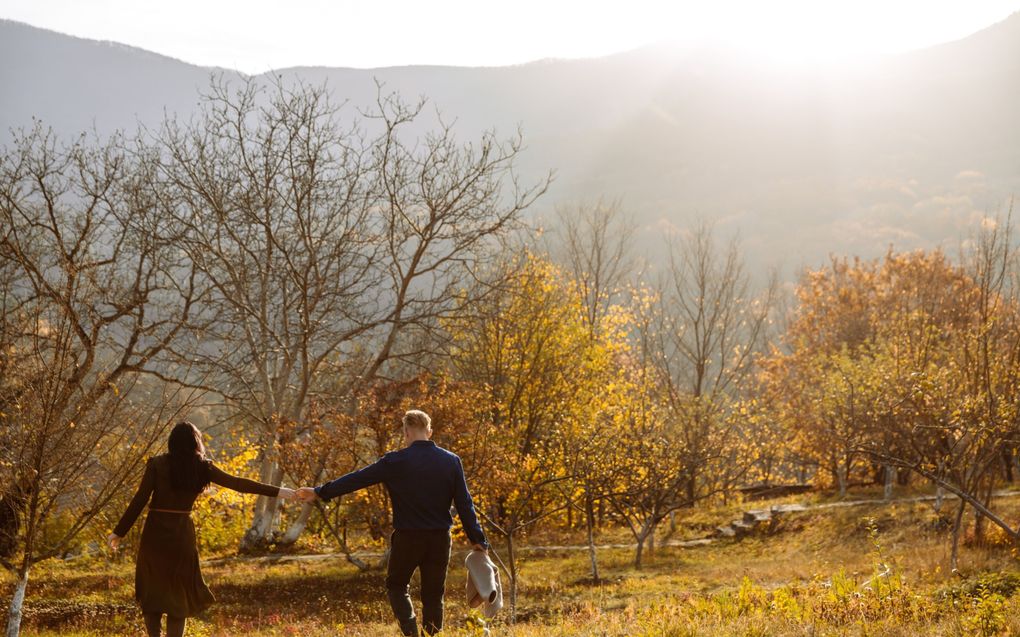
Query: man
[[422, 479]]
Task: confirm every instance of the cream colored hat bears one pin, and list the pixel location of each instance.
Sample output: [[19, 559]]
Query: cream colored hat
[[483, 586]]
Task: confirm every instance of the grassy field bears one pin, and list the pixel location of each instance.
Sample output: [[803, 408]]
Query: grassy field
[[869, 570]]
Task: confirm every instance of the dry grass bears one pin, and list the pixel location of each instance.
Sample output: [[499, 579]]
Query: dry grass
[[812, 575]]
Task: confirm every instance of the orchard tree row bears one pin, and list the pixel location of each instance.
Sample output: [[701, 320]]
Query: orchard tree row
[[293, 275]]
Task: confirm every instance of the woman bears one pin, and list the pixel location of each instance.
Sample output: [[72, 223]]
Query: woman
[[168, 580]]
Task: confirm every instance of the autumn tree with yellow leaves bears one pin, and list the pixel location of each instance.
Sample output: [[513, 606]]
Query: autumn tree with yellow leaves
[[910, 362], [544, 375]]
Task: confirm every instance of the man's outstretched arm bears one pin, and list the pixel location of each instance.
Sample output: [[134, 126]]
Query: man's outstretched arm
[[466, 510], [372, 474]]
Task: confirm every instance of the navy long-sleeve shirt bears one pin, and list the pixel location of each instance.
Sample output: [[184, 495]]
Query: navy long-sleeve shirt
[[422, 479]]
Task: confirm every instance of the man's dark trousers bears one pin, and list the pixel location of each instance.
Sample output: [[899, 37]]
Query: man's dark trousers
[[429, 552]]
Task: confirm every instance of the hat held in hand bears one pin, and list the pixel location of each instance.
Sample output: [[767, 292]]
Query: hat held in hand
[[483, 585]]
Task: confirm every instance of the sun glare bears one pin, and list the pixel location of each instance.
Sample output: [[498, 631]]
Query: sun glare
[[256, 35], [806, 32]]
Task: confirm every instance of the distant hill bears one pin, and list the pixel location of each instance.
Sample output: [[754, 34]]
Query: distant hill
[[909, 151]]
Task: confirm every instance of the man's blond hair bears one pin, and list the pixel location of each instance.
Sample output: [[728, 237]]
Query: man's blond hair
[[417, 419]]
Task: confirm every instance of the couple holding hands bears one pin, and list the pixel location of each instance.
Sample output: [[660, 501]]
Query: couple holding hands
[[422, 479]]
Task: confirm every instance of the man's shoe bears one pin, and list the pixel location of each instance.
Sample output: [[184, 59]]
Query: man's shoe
[[409, 628]]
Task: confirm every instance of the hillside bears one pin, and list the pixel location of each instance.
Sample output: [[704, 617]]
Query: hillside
[[907, 151]]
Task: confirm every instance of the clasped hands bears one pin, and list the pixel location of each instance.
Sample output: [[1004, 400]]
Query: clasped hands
[[304, 494]]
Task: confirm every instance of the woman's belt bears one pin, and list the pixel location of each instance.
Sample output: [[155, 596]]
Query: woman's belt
[[187, 512]]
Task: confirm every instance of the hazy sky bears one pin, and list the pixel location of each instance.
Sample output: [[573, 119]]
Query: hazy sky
[[256, 35]]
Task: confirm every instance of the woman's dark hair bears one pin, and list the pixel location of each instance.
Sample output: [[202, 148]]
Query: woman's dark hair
[[189, 470]]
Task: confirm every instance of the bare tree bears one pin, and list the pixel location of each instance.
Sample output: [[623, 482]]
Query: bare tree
[[277, 212], [91, 297], [595, 244], [323, 246], [710, 327]]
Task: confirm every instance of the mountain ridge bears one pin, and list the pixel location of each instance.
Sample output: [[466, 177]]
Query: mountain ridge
[[912, 150]]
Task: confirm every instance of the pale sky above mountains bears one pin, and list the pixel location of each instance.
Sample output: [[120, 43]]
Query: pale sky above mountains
[[257, 35]]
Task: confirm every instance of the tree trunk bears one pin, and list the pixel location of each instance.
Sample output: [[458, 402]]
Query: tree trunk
[[359, 563], [17, 602], [638, 552], [512, 558], [384, 561], [940, 492], [955, 552], [647, 529], [841, 476], [980, 521], [263, 523], [890, 479], [297, 527], [340, 535], [903, 478], [589, 510]]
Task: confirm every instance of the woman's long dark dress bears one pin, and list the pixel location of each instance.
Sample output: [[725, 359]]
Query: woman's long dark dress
[[167, 574]]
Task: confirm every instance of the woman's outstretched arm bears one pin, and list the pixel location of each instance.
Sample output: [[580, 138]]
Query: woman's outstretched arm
[[245, 485], [138, 502]]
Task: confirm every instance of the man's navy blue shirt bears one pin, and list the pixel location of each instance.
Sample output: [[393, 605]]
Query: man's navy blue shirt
[[422, 480]]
